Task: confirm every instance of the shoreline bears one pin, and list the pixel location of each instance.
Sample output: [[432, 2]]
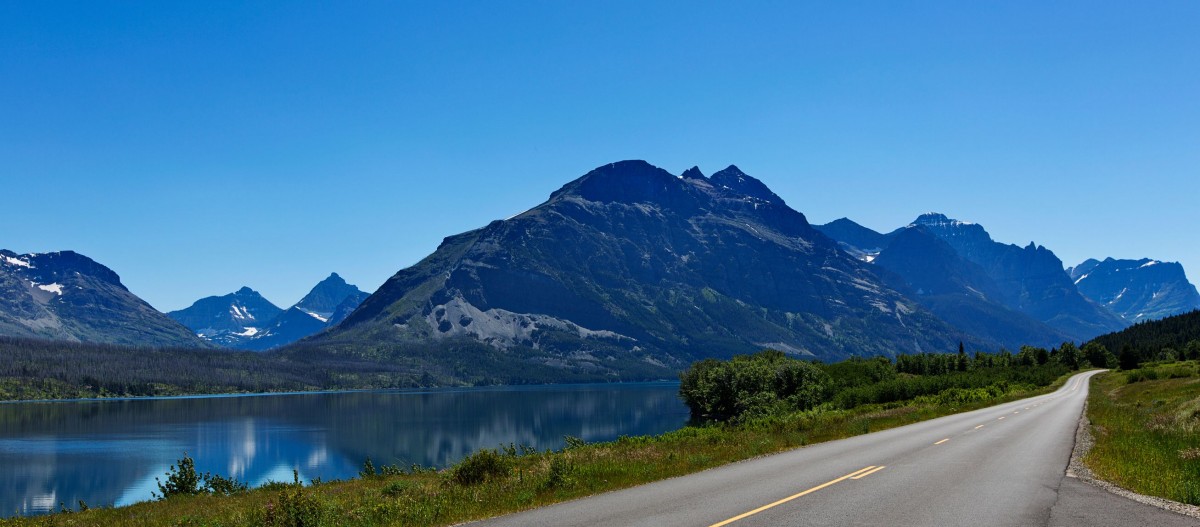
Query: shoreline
[[442, 389]]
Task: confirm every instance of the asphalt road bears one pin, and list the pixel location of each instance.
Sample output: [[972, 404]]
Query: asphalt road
[[1003, 465]]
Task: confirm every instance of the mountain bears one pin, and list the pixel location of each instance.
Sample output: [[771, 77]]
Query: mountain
[[958, 290], [1137, 290], [859, 241], [68, 296], [328, 295], [1004, 293], [1031, 279], [245, 320], [229, 320], [631, 272], [328, 303]]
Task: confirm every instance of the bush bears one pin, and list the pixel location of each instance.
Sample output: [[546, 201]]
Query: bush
[[481, 466], [182, 480], [223, 486], [559, 474], [752, 386], [294, 507]]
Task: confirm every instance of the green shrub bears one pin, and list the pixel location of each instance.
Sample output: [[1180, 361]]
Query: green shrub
[[752, 386], [481, 466], [295, 506], [573, 442], [182, 480], [559, 474]]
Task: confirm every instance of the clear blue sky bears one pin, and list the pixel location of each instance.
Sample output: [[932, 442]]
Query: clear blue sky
[[196, 147]]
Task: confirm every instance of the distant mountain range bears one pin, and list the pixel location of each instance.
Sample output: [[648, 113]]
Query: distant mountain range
[[1004, 293], [630, 272], [246, 320], [68, 296], [1137, 290]]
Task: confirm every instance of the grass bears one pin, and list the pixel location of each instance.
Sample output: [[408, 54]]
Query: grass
[[495, 482], [1146, 423]]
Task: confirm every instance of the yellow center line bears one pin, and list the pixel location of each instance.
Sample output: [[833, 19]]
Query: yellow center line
[[978, 427], [942, 441], [868, 473], [794, 496]]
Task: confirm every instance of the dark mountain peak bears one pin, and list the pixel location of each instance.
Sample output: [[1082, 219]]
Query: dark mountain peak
[[693, 173], [333, 280], [734, 179], [947, 228], [54, 266], [937, 219], [932, 217], [628, 182], [858, 238], [326, 296], [245, 290], [1086, 267]]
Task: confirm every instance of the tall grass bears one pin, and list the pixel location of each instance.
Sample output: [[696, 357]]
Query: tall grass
[[1147, 428]]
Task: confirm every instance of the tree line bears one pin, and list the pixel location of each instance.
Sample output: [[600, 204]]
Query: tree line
[[770, 383]]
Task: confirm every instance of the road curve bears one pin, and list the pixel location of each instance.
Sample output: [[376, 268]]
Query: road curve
[[1003, 466]]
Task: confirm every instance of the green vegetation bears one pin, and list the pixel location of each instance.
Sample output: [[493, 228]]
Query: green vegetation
[[1169, 339], [37, 369], [1146, 423], [766, 384], [33, 369], [756, 405]]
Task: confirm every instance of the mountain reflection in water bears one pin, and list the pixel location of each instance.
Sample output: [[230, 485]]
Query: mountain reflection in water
[[109, 452]]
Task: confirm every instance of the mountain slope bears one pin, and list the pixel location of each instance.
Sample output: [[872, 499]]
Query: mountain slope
[[68, 296], [291, 325], [1030, 279], [630, 272], [1137, 290], [228, 320], [958, 290]]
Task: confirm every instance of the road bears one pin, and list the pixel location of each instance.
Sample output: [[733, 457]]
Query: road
[[1003, 465]]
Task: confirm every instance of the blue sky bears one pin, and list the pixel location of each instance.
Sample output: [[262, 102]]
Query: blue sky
[[196, 147]]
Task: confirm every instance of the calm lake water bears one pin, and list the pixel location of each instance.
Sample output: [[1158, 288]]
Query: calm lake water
[[109, 452]]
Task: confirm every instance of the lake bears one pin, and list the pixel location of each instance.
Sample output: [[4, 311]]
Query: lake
[[108, 452]]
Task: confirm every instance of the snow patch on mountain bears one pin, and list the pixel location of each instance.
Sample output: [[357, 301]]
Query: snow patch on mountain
[[315, 315], [17, 262], [55, 288]]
